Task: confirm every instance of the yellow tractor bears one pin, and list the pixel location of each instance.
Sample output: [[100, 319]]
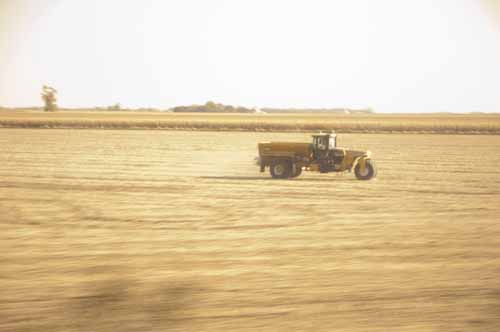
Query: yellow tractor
[[287, 159]]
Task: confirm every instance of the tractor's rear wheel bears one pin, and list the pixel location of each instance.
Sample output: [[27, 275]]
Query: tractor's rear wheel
[[296, 171], [369, 172], [281, 169]]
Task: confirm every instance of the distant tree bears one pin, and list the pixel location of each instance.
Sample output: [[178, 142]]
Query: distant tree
[[49, 98], [210, 106], [115, 107]]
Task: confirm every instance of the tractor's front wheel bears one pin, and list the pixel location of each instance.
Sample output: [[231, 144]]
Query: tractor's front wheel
[[281, 169], [369, 172]]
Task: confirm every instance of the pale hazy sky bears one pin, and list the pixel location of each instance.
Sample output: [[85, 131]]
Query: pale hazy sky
[[392, 55]]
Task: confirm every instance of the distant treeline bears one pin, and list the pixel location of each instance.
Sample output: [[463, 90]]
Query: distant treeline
[[208, 107], [211, 107], [94, 109]]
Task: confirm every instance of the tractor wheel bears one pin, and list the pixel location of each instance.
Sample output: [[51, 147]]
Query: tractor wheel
[[370, 170], [298, 171], [281, 169]]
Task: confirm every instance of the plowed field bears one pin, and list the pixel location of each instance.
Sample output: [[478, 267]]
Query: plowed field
[[178, 231]]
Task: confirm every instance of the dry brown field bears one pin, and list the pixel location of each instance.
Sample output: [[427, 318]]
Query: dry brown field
[[345, 123], [127, 230]]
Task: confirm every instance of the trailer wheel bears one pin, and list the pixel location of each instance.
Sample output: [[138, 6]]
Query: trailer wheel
[[370, 170], [296, 171], [281, 169]]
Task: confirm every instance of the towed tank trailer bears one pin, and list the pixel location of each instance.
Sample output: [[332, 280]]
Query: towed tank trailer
[[288, 159]]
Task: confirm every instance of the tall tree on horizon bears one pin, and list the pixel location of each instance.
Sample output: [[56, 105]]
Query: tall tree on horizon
[[49, 98]]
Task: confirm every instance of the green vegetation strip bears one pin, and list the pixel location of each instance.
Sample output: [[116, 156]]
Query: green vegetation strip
[[343, 126]]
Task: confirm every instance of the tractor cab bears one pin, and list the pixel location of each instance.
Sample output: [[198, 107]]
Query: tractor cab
[[324, 141], [324, 145]]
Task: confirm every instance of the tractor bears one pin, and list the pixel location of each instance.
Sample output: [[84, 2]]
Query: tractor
[[288, 159]]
